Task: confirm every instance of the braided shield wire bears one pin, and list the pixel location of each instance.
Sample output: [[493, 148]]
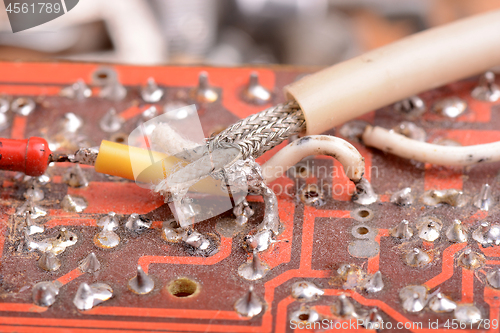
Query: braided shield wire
[[262, 131]]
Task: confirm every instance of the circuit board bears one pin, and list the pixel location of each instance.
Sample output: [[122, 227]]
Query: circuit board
[[332, 243]]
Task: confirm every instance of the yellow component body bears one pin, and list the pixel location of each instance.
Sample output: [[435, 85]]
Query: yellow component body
[[146, 166]]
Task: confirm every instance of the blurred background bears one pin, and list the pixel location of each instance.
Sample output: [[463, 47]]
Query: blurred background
[[228, 32]]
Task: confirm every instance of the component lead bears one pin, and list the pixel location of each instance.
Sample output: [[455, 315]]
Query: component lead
[[141, 283], [249, 305], [90, 264]]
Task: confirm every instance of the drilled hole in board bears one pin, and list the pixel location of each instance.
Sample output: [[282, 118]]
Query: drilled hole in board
[[363, 213], [304, 316], [183, 287], [363, 230]]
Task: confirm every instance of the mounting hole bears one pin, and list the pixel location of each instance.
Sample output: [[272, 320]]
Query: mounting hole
[[304, 316], [362, 214], [183, 287], [119, 138], [103, 76], [363, 230]]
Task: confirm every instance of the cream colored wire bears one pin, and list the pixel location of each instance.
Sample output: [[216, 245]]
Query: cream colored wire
[[343, 151], [400, 145]]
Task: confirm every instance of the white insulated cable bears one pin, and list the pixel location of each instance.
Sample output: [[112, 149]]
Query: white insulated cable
[[396, 71], [400, 145], [341, 150]]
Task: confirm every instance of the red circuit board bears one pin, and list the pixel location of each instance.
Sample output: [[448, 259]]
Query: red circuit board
[[314, 242]]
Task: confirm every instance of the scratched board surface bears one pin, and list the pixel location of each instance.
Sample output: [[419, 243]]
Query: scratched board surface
[[316, 243]]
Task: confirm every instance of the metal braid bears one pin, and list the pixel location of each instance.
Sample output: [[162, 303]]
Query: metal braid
[[262, 131]]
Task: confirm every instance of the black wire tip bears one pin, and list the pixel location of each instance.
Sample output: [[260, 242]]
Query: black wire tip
[[59, 158]]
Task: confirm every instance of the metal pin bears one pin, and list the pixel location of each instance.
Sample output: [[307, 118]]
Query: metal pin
[[493, 278], [73, 203], [34, 193], [413, 298], [480, 234], [253, 270], [491, 236], [148, 126], [90, 264], [45, 293], [151, 93], [351, 275], [343, 308], [113, 91], [170, 233], [101, 292], [471, 260], [249, 305], [4, 105], [413, 106], [456, 232], [149, 113], [364, 194], [204, 93], [78, 90], [440, 303], [87, 297], [402, 231], [260, 241], [243, 212], [23, 106], [486, 90], [4, 119], [141, 283], [451, 107], [451, 197], [75, 177], [305, 291], [403, 197], [374, 283], [483, 200], [254, 92], [49, 262], [417, 258], [353, 130], [107, 239], [108, 222], [467, 313], [32, 227], [33, 210], [55, 245], [137, 223], [111, 121], [373, 320], [177, 110], [429, 228], [196, 240], [410, 130], [84, 298]]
